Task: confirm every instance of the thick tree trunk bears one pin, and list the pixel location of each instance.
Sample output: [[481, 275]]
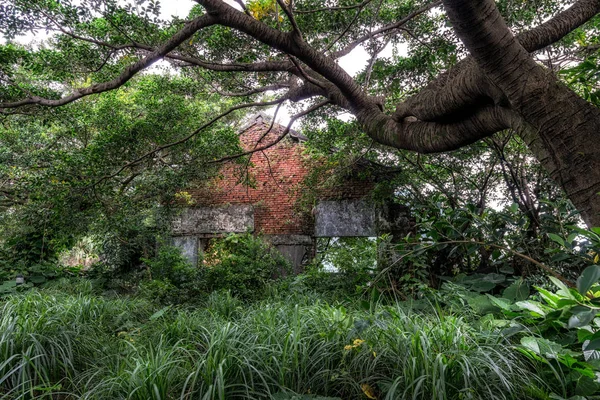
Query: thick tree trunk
[[563, 130], [565, 137]]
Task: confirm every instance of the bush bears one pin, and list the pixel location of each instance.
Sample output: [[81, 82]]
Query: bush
[[344, 266], [170, 265], [243, 264]]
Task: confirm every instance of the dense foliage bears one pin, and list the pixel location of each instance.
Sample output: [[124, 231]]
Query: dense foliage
[[492, 293], [84, 345]]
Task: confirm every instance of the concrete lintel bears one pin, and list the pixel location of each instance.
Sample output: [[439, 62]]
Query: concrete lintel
[[345, 218], [237, 218], [276, 240]]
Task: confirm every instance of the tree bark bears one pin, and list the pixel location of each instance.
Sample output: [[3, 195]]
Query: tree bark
[[499, 87], [563, 130]]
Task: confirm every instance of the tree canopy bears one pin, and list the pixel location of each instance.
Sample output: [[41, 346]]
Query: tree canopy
[[459, 71]]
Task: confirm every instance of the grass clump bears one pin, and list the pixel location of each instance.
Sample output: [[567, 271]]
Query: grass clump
[[57, 345]]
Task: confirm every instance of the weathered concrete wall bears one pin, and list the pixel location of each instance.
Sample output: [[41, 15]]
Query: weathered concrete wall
[[345, 218], [296, 248], [236, 218], [188, 246]]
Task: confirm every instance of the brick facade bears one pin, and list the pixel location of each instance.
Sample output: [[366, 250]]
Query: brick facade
[[277, 175]]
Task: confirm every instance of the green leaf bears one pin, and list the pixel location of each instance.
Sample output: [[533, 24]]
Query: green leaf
[[591, 345], [517, 291], [494, 278], [555, 238], [563, 289], [581, 319], [562, 303], [532, 306], [544, 347], [501, 303], [483, 286], [549, 297], [588, 278], [531, 343], [588, 234], [583, 335]]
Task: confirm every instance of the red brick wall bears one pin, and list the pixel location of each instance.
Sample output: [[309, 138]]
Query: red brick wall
[[278, 174]]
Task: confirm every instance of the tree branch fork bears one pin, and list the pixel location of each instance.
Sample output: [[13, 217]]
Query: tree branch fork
[[463, 105]]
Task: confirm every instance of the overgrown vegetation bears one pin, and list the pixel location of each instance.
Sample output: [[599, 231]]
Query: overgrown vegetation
[[491, 293], [81, 345]]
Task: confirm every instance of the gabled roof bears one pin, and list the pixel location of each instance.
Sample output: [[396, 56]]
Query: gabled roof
[[261, 118]]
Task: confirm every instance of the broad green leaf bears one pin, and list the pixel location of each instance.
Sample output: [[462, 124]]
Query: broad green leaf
[[501, 303], [555, 238], [481, 304], [531, 343], [483, 286], [583, 335], [517, 291], [581, 319], [591, 345], [549, 297], [588, 278], [494, 278], [592, 235], [563, 289], [532, 306], [587, 385], [513, 330], [544, 347]]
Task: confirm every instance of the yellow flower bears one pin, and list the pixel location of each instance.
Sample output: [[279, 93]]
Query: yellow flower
[[348, 347], [358, 342], [368, 391]]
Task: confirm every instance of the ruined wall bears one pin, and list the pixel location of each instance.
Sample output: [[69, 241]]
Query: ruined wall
[[269, 205], [275, 175]]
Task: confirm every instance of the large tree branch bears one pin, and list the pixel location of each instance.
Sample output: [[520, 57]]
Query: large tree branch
[[438, 136], [289, 43], [265, 66], [178, 38], [464, 85]]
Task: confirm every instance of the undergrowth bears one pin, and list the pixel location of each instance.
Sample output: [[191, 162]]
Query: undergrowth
[[85, 346]]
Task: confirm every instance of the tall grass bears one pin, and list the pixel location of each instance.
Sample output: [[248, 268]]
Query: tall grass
[[56, 345]]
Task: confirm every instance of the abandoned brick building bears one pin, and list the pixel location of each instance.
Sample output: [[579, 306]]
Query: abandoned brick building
[[269, 205]]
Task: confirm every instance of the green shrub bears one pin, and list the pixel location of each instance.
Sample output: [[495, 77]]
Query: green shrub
[[169, 264], [346, 266], [243, 264]]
